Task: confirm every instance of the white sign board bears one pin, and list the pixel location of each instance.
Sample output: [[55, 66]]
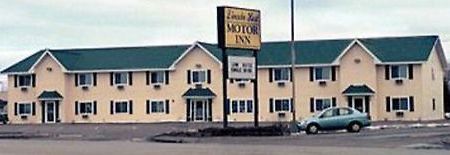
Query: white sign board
[[241, 67]]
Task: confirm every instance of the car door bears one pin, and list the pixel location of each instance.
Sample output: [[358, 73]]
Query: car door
[[345, 116], [329, 119]]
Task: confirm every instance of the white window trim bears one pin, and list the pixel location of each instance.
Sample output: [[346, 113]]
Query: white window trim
[[289, 75], [120, 84], [400, 97], [84, 85], [199, 70], [399, 78], [322, 98], [24, 103], [274, 104], [128, 106], [158, 83], [246, 105], [86, 101], [322, 80], [157, 100], [25, 86]]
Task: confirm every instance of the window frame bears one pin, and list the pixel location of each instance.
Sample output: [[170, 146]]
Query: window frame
[[323, 79], [121, 101], [157, 73], [400, 98], [238, 106], [204, 79], [86, 102], [27, 104], [91, 81], [399, 77], [281, 80], [120, 84], [24, 75], [157, 101], [282, 110], [322, 98]]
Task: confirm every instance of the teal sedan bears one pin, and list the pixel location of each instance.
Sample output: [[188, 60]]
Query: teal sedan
[[335, 118]]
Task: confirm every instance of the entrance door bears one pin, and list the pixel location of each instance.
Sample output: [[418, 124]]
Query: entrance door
[[50, 108], [358, 104], [199, 110]]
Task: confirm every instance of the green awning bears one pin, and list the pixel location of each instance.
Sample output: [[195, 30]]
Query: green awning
[[358, 90], [50, 95], [199, 93]]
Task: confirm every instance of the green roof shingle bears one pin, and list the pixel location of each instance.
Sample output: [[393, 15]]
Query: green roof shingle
[[358, 89], [50, 95]]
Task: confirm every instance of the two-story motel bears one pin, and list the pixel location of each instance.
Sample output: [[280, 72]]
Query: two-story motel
[[391, 78]]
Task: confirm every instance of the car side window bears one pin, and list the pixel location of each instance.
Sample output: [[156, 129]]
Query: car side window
[[330, 113], [344, 111]]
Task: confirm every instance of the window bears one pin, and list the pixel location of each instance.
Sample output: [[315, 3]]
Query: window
[[121, 107], [241, 106], [120, 78], [157, 107], [281, 74], [199, 76], [157, 77], [399, 71], [321, 104], [24, 108], [401, 103], [85, 79], [24, 80], [322, 73], [85, 107], [344, 111], [282, 105]]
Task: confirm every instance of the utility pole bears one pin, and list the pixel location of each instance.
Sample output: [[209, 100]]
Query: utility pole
[[293, 63]]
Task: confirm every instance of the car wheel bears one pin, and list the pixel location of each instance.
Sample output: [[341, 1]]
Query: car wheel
[[354, 127], [312, 129]]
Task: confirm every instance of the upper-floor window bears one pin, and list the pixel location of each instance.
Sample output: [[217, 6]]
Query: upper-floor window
[[399, 71], [321, 104], [85, 79], [281, 74], [24, 80], [282, 105], [24, 109], [120, 78], [242, 106], [322, 73], [400, 103], [157, 77], [198, 76]]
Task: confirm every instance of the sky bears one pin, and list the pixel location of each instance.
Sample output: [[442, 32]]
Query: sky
[[27, 26]]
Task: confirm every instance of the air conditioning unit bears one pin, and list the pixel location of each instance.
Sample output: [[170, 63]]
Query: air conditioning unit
[[281, 115], [157, 86], [23, 117], [23, 88], [281, 83], [198, 85], [399, 81], [399, 114], [85, 116], [120, 86], [323, 83], [85, 87], [241, 83]]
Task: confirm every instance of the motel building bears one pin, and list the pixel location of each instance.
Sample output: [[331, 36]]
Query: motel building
[[391, 78]]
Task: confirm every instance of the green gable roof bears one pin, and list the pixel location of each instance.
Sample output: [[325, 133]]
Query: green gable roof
[[400, 49], [50, 95], [390, 49], [358, 89], [199, 92]]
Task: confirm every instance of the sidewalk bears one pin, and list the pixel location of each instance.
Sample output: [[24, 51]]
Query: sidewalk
[[408, 124]]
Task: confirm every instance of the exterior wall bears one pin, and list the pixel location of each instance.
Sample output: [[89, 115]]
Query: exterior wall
[[349, 72], [4, 95]]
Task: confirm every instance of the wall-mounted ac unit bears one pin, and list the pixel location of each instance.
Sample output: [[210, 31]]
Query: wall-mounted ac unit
[[399, 114], [281, 83], [399, 81], [85, 87], [157, 86], [323, 83], [121, 86]]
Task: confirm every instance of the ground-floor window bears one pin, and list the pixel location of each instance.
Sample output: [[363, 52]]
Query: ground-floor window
[[241, 106], [322, 103], [85, 107], [282, 105], [24, 108], [121, 107], [157, 107], [400, 103]]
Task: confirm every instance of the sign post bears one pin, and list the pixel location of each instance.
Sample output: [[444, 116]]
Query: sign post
[[239, 28]]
